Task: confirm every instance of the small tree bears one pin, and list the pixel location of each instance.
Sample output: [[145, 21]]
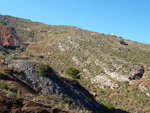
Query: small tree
[[72, 72], [43, 70], [123, 42]]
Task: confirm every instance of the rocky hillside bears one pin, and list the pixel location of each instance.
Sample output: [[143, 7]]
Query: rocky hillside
[[114, 70], [71, 89]]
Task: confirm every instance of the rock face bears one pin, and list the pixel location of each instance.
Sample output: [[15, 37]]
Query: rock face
[[8, 37]]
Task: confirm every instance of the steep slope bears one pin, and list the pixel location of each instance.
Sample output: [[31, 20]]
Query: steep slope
[[113, 69]]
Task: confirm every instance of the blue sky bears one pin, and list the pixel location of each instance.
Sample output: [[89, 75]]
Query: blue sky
[[129, 19]]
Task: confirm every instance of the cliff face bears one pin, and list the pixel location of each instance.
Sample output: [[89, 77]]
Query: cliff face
[[8, 37]]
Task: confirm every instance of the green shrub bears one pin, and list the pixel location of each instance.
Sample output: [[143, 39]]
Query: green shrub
[[40, 57], [15, 58], [43, 70], [72, 72], [3, 75], [4, 86], [19, 50], [123, 42], [137, 78]]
